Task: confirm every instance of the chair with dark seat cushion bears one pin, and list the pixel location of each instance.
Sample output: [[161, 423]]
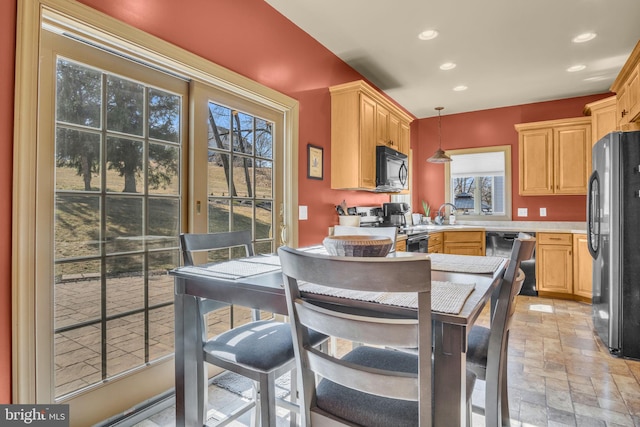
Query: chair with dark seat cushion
[[261, 350], [488, 347], [374, 384]]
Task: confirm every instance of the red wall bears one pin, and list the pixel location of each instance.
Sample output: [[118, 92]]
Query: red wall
[[496, 127], [7, 61]]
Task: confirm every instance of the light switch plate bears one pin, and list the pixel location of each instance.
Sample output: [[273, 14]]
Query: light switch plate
[[523, 212], [543, 211], [302, 213]]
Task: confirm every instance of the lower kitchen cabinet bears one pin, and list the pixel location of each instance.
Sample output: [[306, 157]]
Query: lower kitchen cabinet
[[464, 242], [554, 264], [435, 243], [401, 244], [582, 269]]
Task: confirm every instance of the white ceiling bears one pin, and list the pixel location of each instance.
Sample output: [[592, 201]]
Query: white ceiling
[[508, 52]]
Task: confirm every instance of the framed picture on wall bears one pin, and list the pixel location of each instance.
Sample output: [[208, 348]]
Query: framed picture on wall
[[315, 162]]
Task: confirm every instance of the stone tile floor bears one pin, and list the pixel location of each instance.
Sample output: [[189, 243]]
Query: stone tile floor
[[559, 374]]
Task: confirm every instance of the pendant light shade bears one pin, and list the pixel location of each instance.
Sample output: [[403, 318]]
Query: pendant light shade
[[439, 156]]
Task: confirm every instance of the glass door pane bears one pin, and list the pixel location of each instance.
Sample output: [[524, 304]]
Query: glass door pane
[[241, 175], [118, 156]]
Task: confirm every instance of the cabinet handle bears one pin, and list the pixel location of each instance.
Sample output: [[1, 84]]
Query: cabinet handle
[[554, 238], [624, 113]]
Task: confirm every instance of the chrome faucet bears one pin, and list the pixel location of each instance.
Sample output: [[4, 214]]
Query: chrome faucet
[[439, 220]]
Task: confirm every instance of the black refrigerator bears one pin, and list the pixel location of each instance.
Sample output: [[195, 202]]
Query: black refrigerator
[[613, 226]]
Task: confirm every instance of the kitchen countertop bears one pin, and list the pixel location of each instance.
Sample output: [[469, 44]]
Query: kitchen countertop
[[510, 226]]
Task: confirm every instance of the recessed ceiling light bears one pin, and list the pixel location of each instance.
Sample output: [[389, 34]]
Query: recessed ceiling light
[[584, 37], [460, 88], [575, 68], [448, 66], [428, 35]]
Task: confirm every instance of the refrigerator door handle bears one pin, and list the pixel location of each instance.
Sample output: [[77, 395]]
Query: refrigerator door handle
[[593, 221]]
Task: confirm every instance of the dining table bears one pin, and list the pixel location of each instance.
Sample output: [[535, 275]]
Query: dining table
[[256, 282]]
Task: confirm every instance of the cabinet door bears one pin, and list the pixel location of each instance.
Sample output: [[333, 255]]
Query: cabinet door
[[367, 142], [582, 267], [435, 243], [463, 248], [623, 106], [435, 249], [394, 132], [604, 119], [572, 155], [536, 162], [401, 246], [382, 126], [554, 268], [633, 94], [404, 141]]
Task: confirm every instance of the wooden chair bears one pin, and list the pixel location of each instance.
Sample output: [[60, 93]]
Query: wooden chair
[[369, 386], [488, 347], [345, 230], [261, 350]]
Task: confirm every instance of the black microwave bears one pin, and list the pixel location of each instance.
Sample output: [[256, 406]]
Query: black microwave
[[392, 170]]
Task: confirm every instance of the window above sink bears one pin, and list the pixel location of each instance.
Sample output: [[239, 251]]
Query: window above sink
[[478, 182]]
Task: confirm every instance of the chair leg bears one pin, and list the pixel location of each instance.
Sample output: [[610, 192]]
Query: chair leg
[[293, 387], [504, 396], [255, 415], [267, 400]]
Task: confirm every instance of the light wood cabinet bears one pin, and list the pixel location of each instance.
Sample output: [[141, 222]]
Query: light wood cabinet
[[435, 243], [401, 244], [361, 119], [582, 268], [464, 242], [554, 263], [627, 89], [554, 156], [404, 138], [604, 117]]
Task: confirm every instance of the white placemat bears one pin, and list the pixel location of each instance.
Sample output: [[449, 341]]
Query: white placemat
[[271, 259], [446, 297], [465, 263], [234, 269]]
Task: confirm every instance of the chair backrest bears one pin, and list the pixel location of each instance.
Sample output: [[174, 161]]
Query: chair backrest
[[204, 242], [386, 275], [347, 230], [522, 250]]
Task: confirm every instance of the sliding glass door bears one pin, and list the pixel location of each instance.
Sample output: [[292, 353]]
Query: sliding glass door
[[113, 140]]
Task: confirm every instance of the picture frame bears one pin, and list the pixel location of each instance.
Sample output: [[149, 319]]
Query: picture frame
[[315, 162]]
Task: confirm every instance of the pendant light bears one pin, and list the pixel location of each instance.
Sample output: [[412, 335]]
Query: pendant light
[[439, 156]]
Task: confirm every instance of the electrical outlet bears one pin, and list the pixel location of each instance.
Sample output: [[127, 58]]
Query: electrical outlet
[[523, 212], [302, 213], [543, 211]]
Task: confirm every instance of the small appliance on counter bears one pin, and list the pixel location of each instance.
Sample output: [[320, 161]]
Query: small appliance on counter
[[393, 214], [370, 216]]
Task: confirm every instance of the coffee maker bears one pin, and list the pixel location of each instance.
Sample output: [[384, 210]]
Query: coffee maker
[[393, 214]]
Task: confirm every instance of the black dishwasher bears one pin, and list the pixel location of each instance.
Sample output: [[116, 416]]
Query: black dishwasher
[[499, 243]]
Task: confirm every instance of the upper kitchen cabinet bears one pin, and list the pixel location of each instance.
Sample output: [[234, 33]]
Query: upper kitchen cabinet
[[604, 117], [391, 130], [627, 89], [554, 156], [361, 119]]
